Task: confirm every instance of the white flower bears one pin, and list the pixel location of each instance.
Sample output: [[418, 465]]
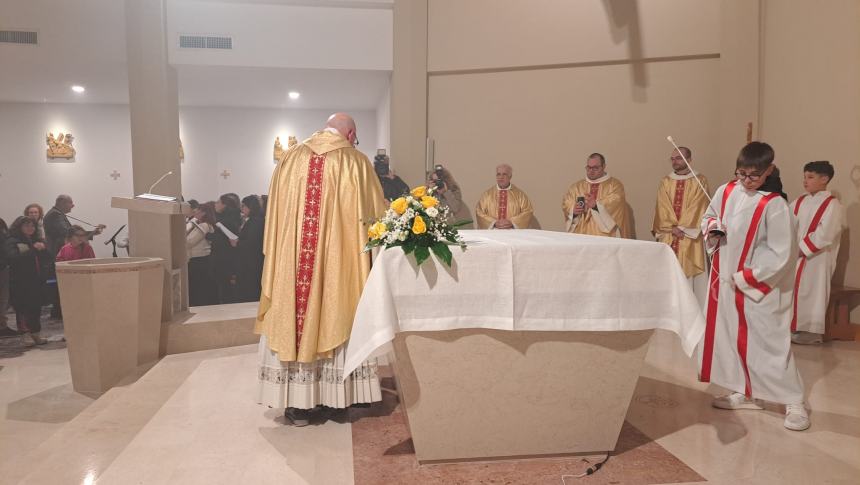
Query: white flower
[[432, 212], [403, 235]]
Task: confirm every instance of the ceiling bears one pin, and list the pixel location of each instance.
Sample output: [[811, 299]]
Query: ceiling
[[88, 48]]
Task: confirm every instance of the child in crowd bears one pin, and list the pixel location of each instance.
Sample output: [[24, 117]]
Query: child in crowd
[[820, 219], [77, 246], [747, 345]]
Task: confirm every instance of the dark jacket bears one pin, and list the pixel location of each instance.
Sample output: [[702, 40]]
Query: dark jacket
[[224, 256], [27, 270], [4, 260], [250, 271], [57, 227], [393, 188]]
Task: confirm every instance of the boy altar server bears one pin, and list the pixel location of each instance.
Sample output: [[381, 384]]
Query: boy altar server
[[747, 344], [820, 219]]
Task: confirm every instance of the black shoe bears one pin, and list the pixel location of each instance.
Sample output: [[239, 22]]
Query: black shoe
[[8, 332], [299, 417]]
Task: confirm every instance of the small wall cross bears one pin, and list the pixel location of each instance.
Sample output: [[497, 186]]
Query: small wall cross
[[114, 175], [225, 174]]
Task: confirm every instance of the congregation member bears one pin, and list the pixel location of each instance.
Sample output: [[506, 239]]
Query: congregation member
[[596, 205], [681, 202], [201, 284], [34, 211], [250, 247], [314, 273], [820, 218], [392, 185], [27, 259], [224, 256], [504, 206], [449, 195], [57, 227], [77, 247], [5, 331], [747, 344]]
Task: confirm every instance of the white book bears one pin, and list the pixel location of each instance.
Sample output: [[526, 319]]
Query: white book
[[227, 232]]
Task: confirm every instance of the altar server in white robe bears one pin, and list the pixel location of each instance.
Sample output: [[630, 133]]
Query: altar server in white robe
[[820, 220], [747, 344]]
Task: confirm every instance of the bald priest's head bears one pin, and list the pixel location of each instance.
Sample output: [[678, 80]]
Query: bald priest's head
[[345, 125]]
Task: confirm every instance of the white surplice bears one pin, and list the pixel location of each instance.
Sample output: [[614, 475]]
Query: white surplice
[[747, 345], [819, 246], [319, 383]]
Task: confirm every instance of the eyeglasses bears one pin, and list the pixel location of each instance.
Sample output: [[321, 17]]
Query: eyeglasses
[[676, 159], [593, 168], [753, 177]]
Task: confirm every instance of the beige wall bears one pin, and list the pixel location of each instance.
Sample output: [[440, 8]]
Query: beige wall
[[546, 122], [811, 102], [540, 84]]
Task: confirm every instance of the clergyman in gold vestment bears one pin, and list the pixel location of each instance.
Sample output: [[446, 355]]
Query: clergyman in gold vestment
[[680, 206], [504, 206], [323, 190], [596, 205]]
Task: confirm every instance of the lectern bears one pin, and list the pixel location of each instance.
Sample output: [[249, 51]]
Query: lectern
[[157, 229]]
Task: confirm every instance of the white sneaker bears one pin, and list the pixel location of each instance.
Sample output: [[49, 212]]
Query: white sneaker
[[796, 418], [734, 401], [807, 338]]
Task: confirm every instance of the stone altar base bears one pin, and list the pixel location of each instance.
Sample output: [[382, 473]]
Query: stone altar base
[[112, 318], [477, 394]]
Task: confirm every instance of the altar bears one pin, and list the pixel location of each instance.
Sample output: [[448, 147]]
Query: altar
[[530, 344]]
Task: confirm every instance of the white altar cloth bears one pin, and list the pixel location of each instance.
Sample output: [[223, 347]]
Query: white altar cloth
[[527, 280]]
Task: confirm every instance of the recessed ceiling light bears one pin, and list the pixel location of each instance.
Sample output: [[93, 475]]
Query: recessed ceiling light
[[294, 94], [78, 89]]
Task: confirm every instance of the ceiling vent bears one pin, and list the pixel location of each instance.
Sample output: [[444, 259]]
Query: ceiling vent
[[18, 37], [205, 41]]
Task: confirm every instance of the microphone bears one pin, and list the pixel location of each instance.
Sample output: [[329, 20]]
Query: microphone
[[159, 181], [151, 196]]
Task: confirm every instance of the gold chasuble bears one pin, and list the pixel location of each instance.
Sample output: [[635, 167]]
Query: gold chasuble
[[321, 193], [607, 218], [681, 203], [512, 204]]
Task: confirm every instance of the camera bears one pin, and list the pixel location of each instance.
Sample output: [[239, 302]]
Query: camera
[[380, 163], [440, 181], [580, 201]]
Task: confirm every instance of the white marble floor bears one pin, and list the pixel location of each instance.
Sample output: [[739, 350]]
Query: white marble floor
[[192, 419]]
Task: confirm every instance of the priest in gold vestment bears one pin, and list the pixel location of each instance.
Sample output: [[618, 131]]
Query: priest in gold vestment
[[596, 204], [322, 191], [680, 206], [504, 206]]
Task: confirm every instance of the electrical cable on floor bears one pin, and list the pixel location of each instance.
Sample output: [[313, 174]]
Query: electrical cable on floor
[[589, 471]]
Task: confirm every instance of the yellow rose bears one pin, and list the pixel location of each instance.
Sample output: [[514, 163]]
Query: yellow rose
[[428, 201], [400, 205], [419, 192], [418, 227], [377, 230]]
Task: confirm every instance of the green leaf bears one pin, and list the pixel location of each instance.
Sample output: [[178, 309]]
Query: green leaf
[[421, 254], [409, 245], [442, 252], [461, 223]]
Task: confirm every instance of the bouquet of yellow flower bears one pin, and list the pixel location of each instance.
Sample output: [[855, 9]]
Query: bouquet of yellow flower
[[416, 223]]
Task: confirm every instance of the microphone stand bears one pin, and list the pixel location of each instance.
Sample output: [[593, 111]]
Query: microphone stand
[[112, 240]]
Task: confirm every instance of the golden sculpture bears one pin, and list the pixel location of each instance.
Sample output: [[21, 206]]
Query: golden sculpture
[[279, 150], [291, 142], [60, 147], [181, 152]]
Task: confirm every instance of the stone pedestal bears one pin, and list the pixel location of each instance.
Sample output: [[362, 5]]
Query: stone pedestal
[[478, 394], [112, 318]]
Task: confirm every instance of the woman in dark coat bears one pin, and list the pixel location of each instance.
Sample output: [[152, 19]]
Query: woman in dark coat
[[224, 256], [250, 245], [28, 259]]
